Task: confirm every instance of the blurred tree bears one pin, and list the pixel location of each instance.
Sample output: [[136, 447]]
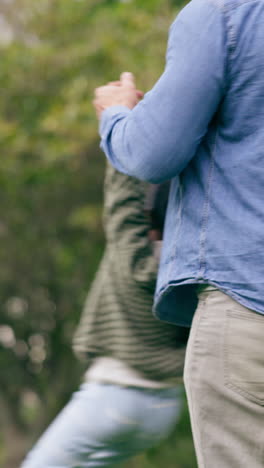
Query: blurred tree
[[53, 54]]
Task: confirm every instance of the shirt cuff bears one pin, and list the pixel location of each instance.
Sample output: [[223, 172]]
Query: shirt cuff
[[109, 117]]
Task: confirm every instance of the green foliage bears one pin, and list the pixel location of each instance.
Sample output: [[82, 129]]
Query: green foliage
[[51, 173], [70, 48]]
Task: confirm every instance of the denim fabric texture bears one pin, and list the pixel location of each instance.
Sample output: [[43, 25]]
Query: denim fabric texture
[[104, 424], [202, 125]]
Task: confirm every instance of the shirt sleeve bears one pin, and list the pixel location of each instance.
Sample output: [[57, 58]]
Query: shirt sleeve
[[126, 225], [157, 139]]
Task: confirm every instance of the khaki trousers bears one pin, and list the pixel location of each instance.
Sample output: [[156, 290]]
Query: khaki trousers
[[224, 379]]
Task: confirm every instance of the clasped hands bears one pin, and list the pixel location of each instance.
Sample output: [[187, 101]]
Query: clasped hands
[[117, 93]]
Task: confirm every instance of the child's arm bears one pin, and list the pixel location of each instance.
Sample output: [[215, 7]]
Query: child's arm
[[127, 227]]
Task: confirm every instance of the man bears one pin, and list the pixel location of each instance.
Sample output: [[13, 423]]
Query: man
[[202, 125], [131, 395]]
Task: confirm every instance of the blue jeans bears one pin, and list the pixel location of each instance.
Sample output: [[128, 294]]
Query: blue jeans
[[104, 424]]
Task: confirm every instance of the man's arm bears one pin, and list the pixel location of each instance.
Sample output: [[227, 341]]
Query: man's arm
[[156, 139]]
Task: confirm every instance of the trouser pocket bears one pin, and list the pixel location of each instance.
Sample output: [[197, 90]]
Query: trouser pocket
[[244, 353]]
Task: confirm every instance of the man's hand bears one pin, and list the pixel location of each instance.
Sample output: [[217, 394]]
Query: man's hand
[[118, 93]]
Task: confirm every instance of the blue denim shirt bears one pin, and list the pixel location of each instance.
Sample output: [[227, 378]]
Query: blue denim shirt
[[202, 125]]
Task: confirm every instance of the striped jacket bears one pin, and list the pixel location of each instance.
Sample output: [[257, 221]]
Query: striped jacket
[[117, 319]]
